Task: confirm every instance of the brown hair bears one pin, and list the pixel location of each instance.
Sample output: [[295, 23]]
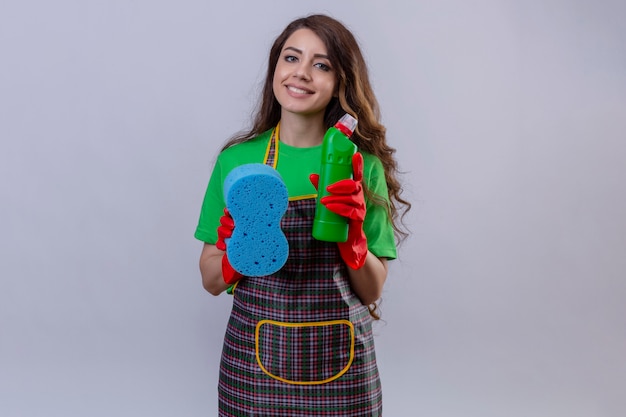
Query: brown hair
[[355, 96]]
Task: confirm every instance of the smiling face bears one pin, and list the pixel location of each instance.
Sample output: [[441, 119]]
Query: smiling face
[[304, 81]]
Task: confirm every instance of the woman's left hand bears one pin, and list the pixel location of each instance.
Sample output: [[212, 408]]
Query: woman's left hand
[[347, 199]]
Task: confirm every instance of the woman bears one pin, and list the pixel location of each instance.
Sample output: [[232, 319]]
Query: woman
[[299, 342]]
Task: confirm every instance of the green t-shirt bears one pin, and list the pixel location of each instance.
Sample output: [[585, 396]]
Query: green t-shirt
[[295, 165]]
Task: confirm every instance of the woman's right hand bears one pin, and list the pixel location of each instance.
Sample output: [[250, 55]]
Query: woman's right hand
[[225, 231], [217, 273]]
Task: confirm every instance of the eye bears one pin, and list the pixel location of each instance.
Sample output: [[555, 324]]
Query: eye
[[323, 66], [290, 58]]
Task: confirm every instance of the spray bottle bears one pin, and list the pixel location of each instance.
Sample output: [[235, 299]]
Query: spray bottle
[[337, 152]]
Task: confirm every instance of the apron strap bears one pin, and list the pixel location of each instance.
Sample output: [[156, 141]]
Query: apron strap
[[271, 153]]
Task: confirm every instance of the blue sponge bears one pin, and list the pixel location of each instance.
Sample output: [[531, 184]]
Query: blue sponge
[[257, 199]]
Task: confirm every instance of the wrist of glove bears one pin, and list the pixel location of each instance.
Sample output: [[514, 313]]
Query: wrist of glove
[[228, 272], [225, 231], [347, 199]]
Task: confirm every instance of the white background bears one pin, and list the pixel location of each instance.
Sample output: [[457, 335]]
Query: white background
[[509, 117]]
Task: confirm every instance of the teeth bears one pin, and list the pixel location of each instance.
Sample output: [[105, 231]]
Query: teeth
[[297, 90]]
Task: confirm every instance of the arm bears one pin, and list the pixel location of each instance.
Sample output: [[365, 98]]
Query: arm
[[367, 272], [217, 272], [367, 282], [211, 269]]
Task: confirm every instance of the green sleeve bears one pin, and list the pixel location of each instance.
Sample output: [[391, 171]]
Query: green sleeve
[[212, 207], [377, 225]]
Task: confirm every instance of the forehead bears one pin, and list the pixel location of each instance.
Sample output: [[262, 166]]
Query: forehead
[[307, 41]]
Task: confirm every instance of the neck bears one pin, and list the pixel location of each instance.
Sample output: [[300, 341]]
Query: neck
[[302, 131]]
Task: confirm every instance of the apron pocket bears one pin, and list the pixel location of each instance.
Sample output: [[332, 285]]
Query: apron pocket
[[305, 353]]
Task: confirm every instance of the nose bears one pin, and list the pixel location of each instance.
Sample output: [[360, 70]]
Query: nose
[[302, 72]]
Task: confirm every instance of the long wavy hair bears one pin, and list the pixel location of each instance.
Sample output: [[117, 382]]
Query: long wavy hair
[[355, 96]]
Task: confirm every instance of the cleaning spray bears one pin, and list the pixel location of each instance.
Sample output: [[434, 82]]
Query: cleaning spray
[[337, 152]]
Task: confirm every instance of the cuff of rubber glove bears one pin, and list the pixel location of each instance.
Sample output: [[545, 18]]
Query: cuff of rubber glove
[[353, 255], [356, 262], [228, 272]]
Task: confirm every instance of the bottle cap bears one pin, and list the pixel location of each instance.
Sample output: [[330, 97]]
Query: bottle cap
[[346, 124]]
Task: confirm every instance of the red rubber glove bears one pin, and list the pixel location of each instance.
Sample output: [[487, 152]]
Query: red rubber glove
[[347, 199], [224, 231]]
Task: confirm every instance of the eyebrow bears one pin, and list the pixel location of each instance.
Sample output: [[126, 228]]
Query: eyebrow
[[300, 52]]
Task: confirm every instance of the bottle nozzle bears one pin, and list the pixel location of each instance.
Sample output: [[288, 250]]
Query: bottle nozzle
[[346, 124]]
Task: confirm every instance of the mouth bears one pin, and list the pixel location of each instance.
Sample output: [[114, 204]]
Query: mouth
[[298, 90]]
